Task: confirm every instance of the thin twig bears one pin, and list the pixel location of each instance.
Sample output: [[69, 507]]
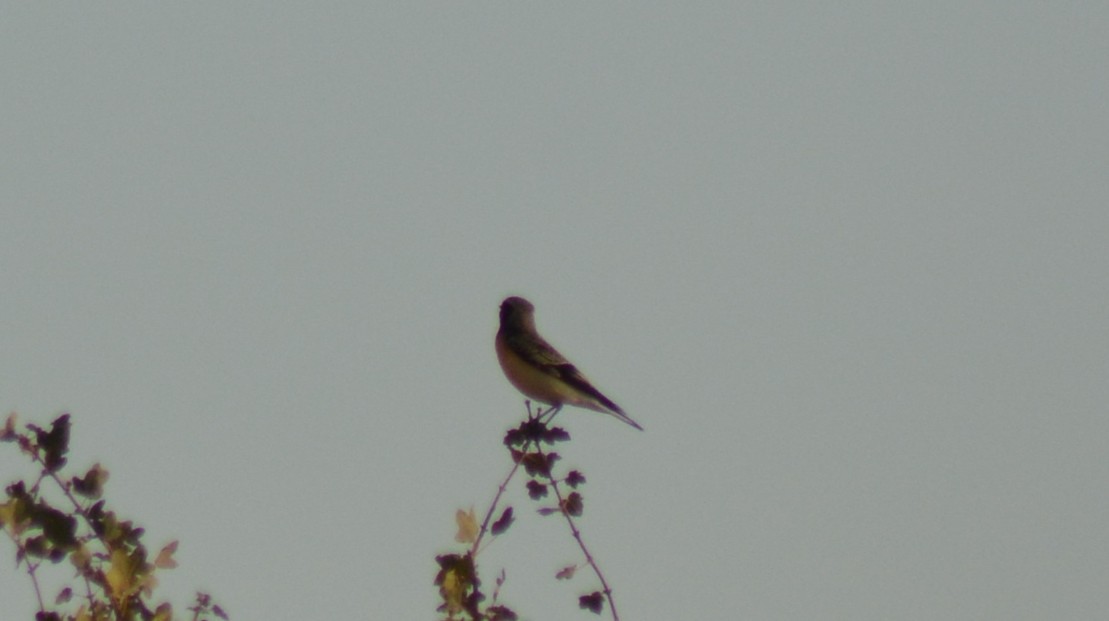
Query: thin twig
[[539, 414], [581, 544], [31, 568], [493, 507], [36, 456]]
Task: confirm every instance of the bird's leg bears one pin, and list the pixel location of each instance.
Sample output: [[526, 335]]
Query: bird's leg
[[553, 411]]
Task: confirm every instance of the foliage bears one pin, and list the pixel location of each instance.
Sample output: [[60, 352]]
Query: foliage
[[114, 577], [458, 580]]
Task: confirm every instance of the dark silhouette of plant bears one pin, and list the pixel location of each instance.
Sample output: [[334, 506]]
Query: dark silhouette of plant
[[458, 580], [114, 579]]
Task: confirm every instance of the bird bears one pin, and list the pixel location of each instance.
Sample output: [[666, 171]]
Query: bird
[[538, 370]]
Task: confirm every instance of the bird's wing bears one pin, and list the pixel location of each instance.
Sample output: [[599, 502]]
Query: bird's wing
[[572, 376], [537, 351], [547, 359]]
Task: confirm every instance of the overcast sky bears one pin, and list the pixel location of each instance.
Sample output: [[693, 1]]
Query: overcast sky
[[847, 263]]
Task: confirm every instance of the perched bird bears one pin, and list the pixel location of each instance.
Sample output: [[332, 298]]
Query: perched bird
[[538, 370]]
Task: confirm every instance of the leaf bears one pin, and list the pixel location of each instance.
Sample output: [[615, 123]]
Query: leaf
[[539, 464], [149, 583], [500, 613], [98, 519], [573, 504], [216, 610], [462, 566], [555, 434], [594, 602], [503, 522], [164, 612], [18, 512], [533, 429], [452, 591], [60, 529], [566, 572], [81, 557], [12, 516], [513, 438], [165, 556], [8, 434], [120, 576], [92, 485], [575, 478], [535, 463], [124, 575], [36, 546], [54, 443], [467, 526], [472, 604], [536, 490]]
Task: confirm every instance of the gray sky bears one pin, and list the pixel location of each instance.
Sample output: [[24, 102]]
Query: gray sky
[[846, 262]]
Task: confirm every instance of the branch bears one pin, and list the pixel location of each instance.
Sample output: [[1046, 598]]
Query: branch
[[562, 505]]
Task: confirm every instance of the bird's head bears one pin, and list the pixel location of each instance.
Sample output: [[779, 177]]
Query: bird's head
[[517, 313]]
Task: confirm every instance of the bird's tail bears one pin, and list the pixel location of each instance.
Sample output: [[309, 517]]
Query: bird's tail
[[618, 413]]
